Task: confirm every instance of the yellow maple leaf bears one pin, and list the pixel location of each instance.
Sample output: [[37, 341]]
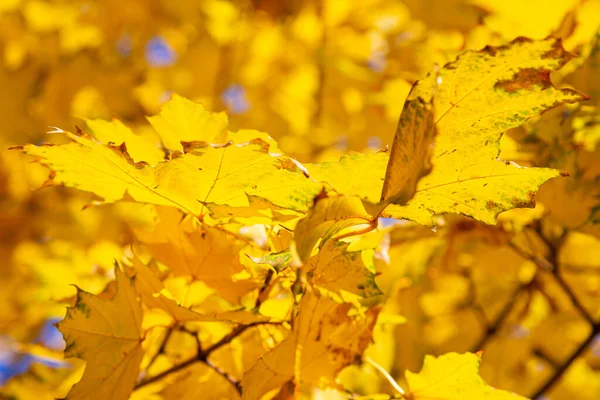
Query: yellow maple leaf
[[452, 376], [152, 292], [106, 171], [225, 174], [353, 174], [410, 157], [323, 341], [338, 270], [535, 18], [107, 334], [115, 132], [481, 95], [182, 120], [202, 252]]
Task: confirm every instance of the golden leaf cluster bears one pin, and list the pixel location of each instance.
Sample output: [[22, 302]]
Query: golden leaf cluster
[[325, 199]]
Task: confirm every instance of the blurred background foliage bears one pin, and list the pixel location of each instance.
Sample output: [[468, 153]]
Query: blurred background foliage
[[323, 77]]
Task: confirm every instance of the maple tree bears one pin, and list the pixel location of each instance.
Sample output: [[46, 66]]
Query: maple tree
[[175, 252]]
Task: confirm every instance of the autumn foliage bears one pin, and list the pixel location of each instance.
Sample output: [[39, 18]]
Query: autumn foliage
[[321, 199]]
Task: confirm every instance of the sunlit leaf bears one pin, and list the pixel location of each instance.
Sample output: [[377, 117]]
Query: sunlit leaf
[[481, 95], [324, 340], [107, 334], [452, 377]]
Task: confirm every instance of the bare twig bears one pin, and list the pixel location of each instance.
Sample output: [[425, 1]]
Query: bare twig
[[552, 265], [493, 328], [558, 373], [230, 378], [202, 355], [161, 348]]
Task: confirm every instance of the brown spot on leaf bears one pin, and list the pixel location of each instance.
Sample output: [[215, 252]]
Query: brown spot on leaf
[[492, 205], [557, 52], [189, 147], [320, 196], [525, 79], [121, 150], [524, 203]]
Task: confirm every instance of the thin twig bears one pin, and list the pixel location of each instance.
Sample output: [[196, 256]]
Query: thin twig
[[552, 267], [576, 303], [230, 378], [161, 348], [492, 329], [202, 356], [558, 373], [541, 354], [165, 373]]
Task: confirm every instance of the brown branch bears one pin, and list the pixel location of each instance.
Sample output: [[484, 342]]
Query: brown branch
[[541, 354], [492, 329], [552, 265], [161, 348], [571, 295], [169, 371], [230, 378], [202, 355], [558, 373]]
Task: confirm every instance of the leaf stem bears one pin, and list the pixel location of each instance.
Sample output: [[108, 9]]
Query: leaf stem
[[372, 225], [387, 376]]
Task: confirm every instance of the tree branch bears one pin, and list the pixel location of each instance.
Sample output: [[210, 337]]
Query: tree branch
[[492, 329], [161, 348], [552, 266], [202, 355], [558, 373], [230, 378]]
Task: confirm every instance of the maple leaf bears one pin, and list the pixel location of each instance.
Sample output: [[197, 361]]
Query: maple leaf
[[338, 270], [452, 376], [225, 174], [481, 95], [116, 133], [151, 291], [182, 120], [324, 339], [206, 253], [107, 334], [354, 174], [410, 157]]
